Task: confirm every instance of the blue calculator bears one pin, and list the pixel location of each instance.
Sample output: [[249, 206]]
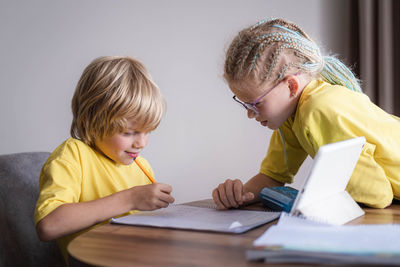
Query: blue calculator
[[279, 198]]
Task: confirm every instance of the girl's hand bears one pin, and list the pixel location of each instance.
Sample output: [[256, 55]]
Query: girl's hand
[[231, 194], [151, 196]]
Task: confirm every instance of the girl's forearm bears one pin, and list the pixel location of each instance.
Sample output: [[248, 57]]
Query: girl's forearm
[[257, 183]]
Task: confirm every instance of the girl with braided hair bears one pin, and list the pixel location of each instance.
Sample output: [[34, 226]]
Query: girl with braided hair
[[277, 73]]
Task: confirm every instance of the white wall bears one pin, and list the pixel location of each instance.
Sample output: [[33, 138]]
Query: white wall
[[204, 137]]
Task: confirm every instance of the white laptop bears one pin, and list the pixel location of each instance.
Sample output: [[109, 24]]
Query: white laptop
[[323, 196]]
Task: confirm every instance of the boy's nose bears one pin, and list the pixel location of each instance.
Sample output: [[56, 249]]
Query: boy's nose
[[140, 141]]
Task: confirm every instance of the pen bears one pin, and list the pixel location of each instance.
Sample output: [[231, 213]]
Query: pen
[[145, 171]]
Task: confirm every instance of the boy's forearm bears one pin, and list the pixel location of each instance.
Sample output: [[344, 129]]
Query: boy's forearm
[[73, 217]]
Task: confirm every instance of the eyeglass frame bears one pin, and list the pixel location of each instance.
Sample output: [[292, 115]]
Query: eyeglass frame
[[252, 106]]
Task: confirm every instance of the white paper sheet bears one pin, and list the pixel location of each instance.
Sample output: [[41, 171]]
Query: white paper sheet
[[300, 234], [200, 218]]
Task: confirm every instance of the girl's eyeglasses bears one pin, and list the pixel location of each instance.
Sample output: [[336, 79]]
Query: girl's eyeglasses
[[252, 106]]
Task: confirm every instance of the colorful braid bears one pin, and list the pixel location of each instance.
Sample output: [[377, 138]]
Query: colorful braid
[[335, 72], [247, 55]]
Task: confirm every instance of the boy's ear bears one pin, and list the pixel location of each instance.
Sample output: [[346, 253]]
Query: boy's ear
[[293, 85]]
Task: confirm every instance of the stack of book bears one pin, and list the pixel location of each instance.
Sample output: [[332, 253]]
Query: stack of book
[[298, 240]]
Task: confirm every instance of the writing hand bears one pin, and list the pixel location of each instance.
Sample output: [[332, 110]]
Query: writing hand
[[151, 196]]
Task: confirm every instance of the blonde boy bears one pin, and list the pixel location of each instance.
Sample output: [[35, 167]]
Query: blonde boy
[[92, 176]]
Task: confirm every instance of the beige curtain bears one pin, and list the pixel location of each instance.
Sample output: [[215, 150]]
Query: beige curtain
[[375, 45]]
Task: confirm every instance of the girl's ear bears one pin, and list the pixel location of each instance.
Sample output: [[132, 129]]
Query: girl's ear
[[293, 85]]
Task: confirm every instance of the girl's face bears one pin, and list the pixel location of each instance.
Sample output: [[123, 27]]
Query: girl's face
[[123, 147], [274, 102]]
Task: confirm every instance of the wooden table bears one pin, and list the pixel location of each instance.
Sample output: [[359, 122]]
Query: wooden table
[[122, 245]]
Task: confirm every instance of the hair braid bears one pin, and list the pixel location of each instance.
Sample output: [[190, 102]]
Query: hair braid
[[271, 48]]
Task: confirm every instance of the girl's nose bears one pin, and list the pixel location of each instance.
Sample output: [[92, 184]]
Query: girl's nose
[[251, 114]]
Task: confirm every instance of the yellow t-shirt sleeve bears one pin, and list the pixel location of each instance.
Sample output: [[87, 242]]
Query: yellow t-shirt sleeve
[[320, 122], [368, 183], [60, 182], [274, 164]]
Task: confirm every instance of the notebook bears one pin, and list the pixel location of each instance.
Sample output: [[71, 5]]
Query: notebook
[[323, 196], [296, 240], [200, 218]]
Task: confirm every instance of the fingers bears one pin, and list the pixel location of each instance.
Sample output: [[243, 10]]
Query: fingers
[[161, 204], [152, 196], [229, 194], [238, 191], [234, 191], [216, 198], [166, 188], [163, 195], [225, 194], [167, 198], [248, 196]]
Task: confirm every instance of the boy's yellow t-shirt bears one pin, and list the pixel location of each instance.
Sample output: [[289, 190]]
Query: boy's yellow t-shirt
[[75, 172], [330, 113]]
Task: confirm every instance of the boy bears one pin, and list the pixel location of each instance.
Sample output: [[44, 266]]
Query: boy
[[93, 176]]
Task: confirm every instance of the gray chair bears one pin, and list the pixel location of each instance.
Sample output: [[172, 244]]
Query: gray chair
[[19, 190]]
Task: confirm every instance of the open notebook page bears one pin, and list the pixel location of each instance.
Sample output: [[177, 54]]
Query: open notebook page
[[200, 218]]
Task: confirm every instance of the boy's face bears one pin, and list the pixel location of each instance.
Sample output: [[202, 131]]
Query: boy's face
[[123, 147], [273, 109]]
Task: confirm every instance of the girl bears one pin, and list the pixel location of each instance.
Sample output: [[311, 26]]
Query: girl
[[277, 73]]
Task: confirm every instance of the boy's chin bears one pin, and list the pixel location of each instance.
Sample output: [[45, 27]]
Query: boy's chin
[[124, 161]]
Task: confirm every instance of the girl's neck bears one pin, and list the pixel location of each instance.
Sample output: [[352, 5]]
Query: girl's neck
[[304, 80]]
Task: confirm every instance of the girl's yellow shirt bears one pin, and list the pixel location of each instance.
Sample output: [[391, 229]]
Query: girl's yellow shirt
[[75, 172], [329, 113]]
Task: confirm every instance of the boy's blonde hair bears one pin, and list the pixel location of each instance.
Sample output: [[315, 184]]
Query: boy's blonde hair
[[111, 91]]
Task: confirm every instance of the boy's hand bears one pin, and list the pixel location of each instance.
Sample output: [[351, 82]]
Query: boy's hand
[[151, 196], [231, 194]]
